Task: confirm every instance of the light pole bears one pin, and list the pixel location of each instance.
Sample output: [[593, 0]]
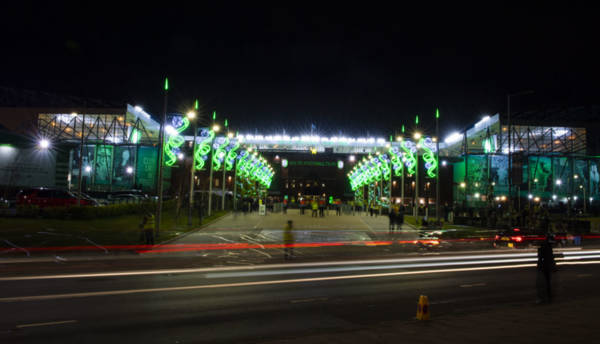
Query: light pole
[[215, 128], [417, 137], [79, 181], [224, 173], [192, 115], [161, 142], [403, 166], [437, 158]]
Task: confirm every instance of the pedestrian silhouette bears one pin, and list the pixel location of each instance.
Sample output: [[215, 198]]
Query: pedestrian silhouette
[[288, 241], [545, 266], [147, 227]]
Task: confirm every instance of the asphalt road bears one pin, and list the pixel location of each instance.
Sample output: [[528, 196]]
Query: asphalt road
[[260, 303]]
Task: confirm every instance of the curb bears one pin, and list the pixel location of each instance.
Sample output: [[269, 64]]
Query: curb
[[194, 230]]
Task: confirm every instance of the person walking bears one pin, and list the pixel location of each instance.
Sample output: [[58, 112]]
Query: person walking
[[392, 216], [315, 207], [545, 266], [399, 217], [147, 227], [322, 207], [288, 241]]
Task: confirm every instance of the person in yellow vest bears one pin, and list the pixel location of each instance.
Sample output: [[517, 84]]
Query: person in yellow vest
[[288, 240], [315, 207], [147, 226]]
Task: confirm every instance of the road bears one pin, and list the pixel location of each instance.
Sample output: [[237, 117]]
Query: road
[[258, 303]]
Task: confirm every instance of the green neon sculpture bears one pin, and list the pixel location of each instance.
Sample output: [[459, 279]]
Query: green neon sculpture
[[202, 150], [409, 155], [231, 155], [175, 141], [219, 154], [431, 163], [396, 159]]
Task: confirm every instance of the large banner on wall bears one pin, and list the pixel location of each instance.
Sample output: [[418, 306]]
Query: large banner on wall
[[595, 179], [499, 172], [562, 172], [146, 168], [540, 170], [124, 159], [103, 169], [477, 174], [582, 173]]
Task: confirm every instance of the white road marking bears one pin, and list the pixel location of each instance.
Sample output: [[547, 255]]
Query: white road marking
[[47, 323], [309, 300], [473, 285], [255, 283]]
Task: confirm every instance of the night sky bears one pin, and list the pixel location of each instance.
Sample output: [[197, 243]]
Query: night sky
[[357, 70]]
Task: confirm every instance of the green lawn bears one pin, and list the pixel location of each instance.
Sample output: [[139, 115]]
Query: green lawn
[[121, 230]]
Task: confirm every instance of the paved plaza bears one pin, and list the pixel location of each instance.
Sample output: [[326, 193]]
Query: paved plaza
[[238, 227]]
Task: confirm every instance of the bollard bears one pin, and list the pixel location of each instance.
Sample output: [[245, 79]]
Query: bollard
[[423, 308]]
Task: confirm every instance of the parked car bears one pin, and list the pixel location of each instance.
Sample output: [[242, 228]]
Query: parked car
[[44, 197], [514, 238]]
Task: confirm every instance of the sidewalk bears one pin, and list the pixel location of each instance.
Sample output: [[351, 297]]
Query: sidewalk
[[563, 322]]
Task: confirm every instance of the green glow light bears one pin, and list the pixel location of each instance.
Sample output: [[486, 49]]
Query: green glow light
[[429, 158], [219, 154], [196, 104], [411, 161], [437, 113], [417, 119], [403, 128], [175, 141], [226, 123], [201, 150], [214, 115], [166, 84]]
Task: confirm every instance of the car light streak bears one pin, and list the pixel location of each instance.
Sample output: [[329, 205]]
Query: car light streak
[[363, 268], [245, 284]]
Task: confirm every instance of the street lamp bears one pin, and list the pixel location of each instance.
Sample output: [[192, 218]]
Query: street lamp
[[417, 135], [129, 170], [192, 116], [44, 144], [216, 128]]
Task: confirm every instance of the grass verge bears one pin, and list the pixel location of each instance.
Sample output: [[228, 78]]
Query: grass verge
[[121, 230]]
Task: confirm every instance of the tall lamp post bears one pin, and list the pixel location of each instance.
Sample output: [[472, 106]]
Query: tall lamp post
[[161, 142], [437, 158], [403, 168], [417, 137], [224, 173], [192, 115], [79, 181], [215, 128]]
